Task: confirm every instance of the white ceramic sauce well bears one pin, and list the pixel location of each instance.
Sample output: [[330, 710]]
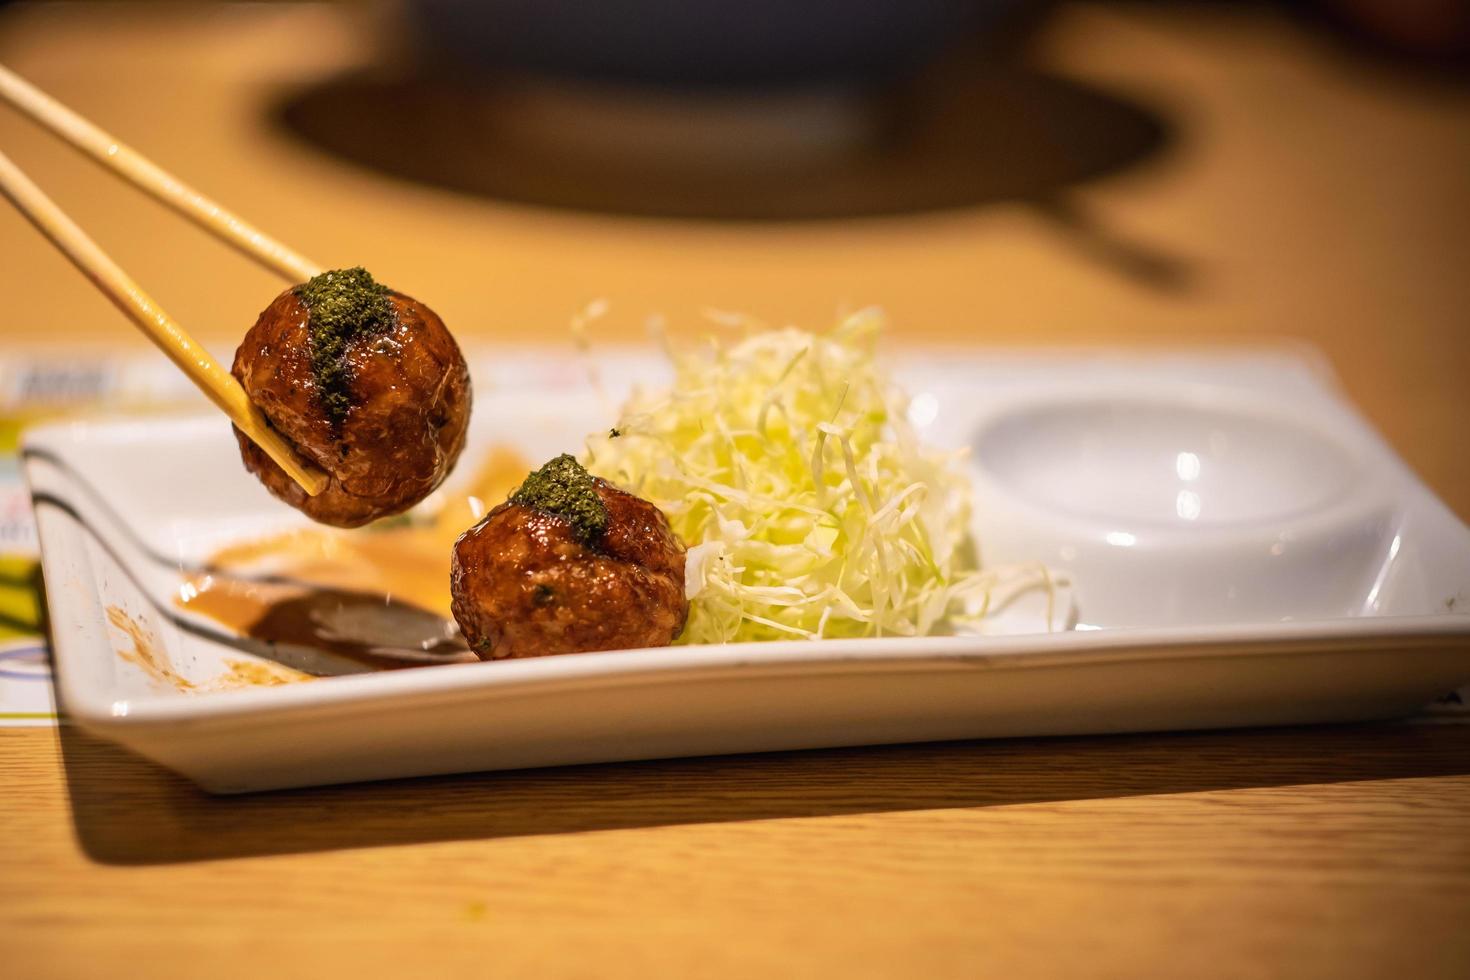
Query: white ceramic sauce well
[[1188, 504]]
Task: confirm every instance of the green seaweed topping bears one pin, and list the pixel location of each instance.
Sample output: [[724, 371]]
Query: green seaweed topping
[[564, 488], [342, 304]]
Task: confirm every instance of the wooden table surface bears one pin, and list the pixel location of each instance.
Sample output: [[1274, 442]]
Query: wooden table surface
[[1288, 189]]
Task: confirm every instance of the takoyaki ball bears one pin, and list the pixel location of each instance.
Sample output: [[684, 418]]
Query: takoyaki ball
[[367, 384], [569, 564]]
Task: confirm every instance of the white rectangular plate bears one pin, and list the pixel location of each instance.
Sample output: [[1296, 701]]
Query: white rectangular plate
[[1244, 551]]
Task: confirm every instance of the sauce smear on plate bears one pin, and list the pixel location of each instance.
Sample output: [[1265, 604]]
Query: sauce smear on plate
[[377, 596]]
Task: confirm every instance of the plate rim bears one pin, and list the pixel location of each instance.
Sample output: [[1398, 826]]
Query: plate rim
[[668, 664]]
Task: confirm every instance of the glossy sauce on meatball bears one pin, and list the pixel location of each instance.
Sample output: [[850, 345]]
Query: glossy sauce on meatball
[[528, 581], [382, 406]]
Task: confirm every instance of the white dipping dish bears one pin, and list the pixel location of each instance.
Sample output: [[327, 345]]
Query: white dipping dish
[[1243, 550], [1188, 505]]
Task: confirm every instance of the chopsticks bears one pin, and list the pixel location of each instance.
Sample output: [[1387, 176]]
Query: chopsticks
[[206, 373], [132, 166], [162, 329]]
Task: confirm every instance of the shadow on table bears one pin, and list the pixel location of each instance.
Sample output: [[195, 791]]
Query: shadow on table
[[129, 811]]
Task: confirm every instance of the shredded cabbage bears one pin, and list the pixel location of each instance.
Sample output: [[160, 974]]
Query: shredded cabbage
[[787, 464]]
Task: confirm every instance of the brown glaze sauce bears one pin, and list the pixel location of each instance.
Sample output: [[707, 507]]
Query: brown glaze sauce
[[145, 653], [377, 597]]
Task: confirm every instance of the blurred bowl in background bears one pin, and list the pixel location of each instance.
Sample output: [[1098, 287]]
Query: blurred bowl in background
[[755, 43]]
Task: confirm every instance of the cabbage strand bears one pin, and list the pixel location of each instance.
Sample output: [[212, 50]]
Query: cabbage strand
[[787, 464]]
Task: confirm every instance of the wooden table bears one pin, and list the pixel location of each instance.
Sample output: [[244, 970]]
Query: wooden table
[[1291, 190]]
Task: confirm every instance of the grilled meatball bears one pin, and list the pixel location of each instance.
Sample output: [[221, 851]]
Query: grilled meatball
[[380, 402], [528, 581]]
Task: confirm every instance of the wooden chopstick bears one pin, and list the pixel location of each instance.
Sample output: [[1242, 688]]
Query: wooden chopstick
[[212, 379], [141, 172]]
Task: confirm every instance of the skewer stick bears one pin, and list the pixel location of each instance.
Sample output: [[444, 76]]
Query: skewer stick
[[128, 296], [138, 170]]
